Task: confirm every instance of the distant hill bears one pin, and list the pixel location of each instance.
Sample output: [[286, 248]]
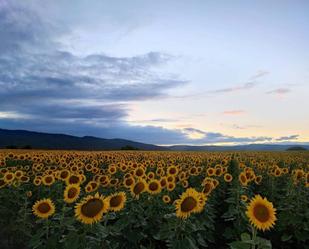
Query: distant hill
[[22, 139], [248, 147], [38, 140], [296, 148]]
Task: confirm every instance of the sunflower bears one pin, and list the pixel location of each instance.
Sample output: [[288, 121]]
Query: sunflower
[[9, 177], [189, 202], [171, 186], [37, 181], [138, 187], [244, 198], [243, 179], [73, 179], [210, 171], [128, 182], [112, 169], [151, 175], [91, 209], [185, 183], [208, 187], [19, 174], [163, 182], [117, 201], [43, 208], [48, 180], [261, 213], [228, 177], [166, 199], [71, 193], [139, 172], [172, 170], [2, 183], [64, 174], [154, 187], [258, 180]]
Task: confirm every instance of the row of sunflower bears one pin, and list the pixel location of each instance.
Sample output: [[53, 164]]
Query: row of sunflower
[[70, 199]]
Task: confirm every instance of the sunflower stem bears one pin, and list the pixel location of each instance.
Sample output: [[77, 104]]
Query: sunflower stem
[[254, 233], [47, 229]]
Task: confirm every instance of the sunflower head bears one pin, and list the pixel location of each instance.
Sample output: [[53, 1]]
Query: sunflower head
[[138, 187], [189, 202], [117, 201], [71, 193], [154, 187], [43, 208], [261, 213], [166, 199], [228, 177], [48, 180], [243, 179], [91, 209]]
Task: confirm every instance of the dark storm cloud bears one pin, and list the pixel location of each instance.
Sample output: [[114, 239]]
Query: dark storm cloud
[[38, 80]]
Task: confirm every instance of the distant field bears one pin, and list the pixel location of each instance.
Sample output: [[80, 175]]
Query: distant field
[[118, 199]]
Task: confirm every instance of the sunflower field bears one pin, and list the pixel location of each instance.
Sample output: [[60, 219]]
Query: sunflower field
[[149, 200]]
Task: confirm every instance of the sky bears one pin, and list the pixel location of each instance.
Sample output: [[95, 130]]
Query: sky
[[162, 72]]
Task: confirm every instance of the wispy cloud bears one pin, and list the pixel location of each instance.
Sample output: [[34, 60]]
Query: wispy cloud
[[280, 91], [246, 86], [288, 138], [259, 74], [249, 84], [217, 137]]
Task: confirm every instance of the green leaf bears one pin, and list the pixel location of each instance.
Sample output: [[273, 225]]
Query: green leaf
[[245, 237], [263, 243], [239, 245], [286, 237]]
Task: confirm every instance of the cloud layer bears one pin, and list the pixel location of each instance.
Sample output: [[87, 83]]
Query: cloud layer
[[46, 87]]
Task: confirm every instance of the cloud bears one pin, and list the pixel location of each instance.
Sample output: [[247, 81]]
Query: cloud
[[246, 86], [216, 137], [259, 74], [243, 127], [279, 91], [41, 83], [249, 84], [288, 138], [234, 112]]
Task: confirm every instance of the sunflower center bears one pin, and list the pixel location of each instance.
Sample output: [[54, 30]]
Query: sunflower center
[[64, 174], [153, 186], [139, 172], [172, 171], [74, 179], [9, 176], [72, 193], [163, 183], [188, 204], [243, 178], [92, 208], [115, 201], [44, 208], [207, 188], [138, 188], [129, 182], [48, 179], [261, 213]]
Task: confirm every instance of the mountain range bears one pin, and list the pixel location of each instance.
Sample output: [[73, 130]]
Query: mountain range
[[39, 140]]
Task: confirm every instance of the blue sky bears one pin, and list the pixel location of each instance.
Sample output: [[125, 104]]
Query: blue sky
[[163, 72]]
